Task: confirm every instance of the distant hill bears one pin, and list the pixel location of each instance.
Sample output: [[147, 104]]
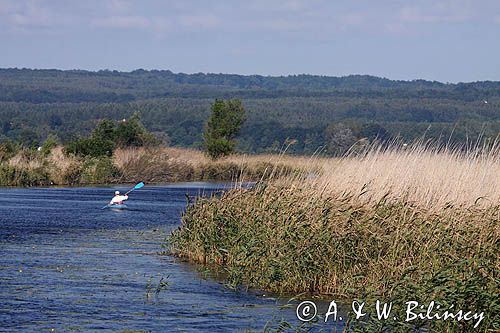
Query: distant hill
[[50, 85], [301, 107]]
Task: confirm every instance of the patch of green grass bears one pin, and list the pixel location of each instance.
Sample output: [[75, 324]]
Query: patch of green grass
[[289, 239]]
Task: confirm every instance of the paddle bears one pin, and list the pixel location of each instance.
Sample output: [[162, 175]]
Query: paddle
[[136, 187]]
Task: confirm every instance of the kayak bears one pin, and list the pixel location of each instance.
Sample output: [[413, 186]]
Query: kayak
[[117, 206]]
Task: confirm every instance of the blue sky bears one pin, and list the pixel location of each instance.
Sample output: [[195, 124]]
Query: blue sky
[[448, 41]]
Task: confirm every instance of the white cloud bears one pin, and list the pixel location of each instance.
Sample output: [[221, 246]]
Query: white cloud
[[277, 24], [6, 7], [295, 18], [32, 14], [282, 6], [122, 22], [352, 20], [157, 24], [294, 5], [199, 21], [118, 6], [445, 15]]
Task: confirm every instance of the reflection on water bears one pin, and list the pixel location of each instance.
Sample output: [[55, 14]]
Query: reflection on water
[[67, 265]]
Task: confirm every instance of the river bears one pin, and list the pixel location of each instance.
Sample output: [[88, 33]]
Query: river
[[68, 265]]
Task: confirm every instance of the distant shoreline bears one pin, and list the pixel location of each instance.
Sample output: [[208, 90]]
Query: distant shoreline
[[131, 165]]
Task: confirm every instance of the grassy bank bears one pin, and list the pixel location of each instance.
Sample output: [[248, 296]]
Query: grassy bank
[[399, 225], [153, 165]]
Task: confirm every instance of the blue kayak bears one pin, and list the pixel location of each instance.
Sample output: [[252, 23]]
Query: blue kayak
[[116, 206]]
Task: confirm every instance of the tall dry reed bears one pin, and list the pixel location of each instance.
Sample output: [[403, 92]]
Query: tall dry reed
[[394, 223], [432, 177]]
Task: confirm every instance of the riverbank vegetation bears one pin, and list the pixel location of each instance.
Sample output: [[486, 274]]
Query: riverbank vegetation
[[133, 164], [394, 223], [125, 151]]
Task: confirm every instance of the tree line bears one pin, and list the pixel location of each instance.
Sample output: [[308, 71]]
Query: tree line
[[309, 111]]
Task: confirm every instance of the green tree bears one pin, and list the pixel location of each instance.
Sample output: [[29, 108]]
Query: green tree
[[49, 144], [105, 130], [94, 147], [374, 131], [223, 126], [28, 138], [100, 143], [131, 132], [106, 136]]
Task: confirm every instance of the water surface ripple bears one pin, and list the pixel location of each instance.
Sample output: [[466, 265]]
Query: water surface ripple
[[66, 265]]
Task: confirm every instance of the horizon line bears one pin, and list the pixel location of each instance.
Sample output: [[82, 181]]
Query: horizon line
[[245, 75]]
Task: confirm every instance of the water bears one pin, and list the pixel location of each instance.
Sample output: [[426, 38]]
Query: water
[[66, 265]]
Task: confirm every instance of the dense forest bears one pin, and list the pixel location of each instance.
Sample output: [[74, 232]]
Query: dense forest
[[306, 111]]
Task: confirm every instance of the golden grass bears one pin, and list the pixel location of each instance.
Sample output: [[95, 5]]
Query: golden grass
[[24, 161], [151, 165], [58, 159], [400, 224], [197, 158], [431, 178], [169, 164]]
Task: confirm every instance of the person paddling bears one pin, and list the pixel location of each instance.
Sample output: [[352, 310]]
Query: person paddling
[[118, 199]]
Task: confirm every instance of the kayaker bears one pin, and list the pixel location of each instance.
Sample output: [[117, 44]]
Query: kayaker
[[118, 199]]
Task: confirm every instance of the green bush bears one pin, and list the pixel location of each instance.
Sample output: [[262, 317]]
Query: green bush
[[7, 175], [7, 150], [106, 137], [73, 174], [132, 133], [99, 170], [93, 147], [13, 176], [49, 144]]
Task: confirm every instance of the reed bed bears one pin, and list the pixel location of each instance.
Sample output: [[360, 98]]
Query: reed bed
[[151, 165], [399, 224], [178, 164], [432, 178], [24, 169]]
